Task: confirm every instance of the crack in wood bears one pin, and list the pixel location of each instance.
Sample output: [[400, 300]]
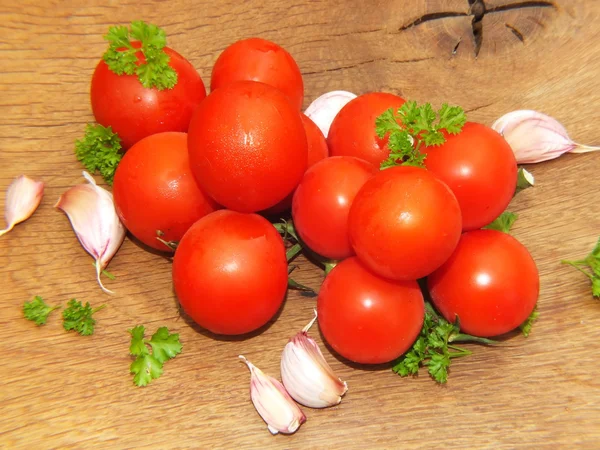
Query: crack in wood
[[478, 10]]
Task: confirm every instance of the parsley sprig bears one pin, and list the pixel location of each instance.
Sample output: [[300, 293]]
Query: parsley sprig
[[153, 69], [590, 266], [149, 366], [412, 126], [37, 310], [99, 150], [526, 326], [434, 348], [78, 317]]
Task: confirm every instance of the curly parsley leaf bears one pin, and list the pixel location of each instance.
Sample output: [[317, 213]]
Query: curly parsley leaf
[[99, 151], [412, 126], [526, 326], [78, 317], [152, 69], [149, 366], [503, 223], [590, 266], [37, 310]]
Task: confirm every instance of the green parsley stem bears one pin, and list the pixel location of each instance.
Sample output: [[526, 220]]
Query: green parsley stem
[[105, 272], [576, 264], [460, 337]]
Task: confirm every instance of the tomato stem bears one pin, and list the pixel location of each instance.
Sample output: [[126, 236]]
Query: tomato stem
[[460, 337], [293, 251]]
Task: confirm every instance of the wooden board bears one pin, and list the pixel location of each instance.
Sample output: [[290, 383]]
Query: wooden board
[[60, 390]]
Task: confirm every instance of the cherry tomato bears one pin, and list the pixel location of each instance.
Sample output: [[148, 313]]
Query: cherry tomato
[[247, 145], [352, 132], [368, 319], [154, 190], [322, 202], [230, 272], [404, 223], [317, 150], [134, 112], [257, 59], [480, 168], [491, 282]]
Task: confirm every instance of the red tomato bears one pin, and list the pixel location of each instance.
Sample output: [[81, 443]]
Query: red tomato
[[404, 223], [317, 150], [352, 131], [491, 282], [257, 59], [480, 168], [247, 145], [322, 202], [134, 112], [230, 272], [368, 319], [154, 190]]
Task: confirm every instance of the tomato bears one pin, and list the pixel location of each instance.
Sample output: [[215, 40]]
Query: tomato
[[154, 190], [322, 202], [230, 272], [317, 150], [491, 282], [404, 223], [257, 59], [352, 132], [368, 319], [134, 112], [247, 145], [480, 168]]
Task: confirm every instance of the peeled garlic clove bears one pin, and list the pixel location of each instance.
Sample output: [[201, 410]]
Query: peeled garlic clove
[[91, 211], [273, 403], [323, 110], [22, 199], [307, 376], [536, 137]]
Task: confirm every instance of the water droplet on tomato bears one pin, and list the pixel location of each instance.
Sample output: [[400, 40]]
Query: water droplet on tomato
[[137, 99]]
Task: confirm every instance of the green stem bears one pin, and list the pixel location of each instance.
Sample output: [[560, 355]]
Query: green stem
[[293, 251], [300, 287], [460, 337], [576, 265], [105, 273], [524, 180], [459, 354], [98, 308], [329, 265]]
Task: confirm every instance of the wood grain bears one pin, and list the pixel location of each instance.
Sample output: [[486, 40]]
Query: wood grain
[[60, 390]]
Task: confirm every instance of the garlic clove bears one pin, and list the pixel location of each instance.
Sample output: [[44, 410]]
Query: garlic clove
[[273, 403], [323, 110], [307, 376], [536, 137], [23, 196], [92, 214]]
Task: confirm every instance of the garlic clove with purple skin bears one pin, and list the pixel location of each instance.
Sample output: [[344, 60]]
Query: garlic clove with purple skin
[[307, 376], [23, 196], [273, 403], [536, 137], [91, 211], [323, 110]]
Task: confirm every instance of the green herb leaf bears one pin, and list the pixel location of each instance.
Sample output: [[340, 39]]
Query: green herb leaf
[[503, 223], [79, 317], [526, 326], [412, 126], [99, 151], [153, 69], [148, 366], [590, 267], [37, 310]]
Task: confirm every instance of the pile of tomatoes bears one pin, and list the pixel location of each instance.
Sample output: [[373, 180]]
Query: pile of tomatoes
[[203, 172]]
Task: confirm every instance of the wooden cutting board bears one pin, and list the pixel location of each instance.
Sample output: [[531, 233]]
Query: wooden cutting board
[[61, 390]]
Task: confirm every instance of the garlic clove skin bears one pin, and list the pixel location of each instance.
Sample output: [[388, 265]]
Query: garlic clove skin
[[273, 403], [92, 214], [307, 376], [23, 196], [536, 137], [323, 109]]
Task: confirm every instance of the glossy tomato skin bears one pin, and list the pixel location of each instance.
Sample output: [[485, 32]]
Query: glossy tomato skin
[[317, 150], [230, 272], [322, 202], [491, 282], [248, 149], [480, 168], [257, 59], [352, 132], [154, 190], [404, 223], [134, 112], [368, 319]]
